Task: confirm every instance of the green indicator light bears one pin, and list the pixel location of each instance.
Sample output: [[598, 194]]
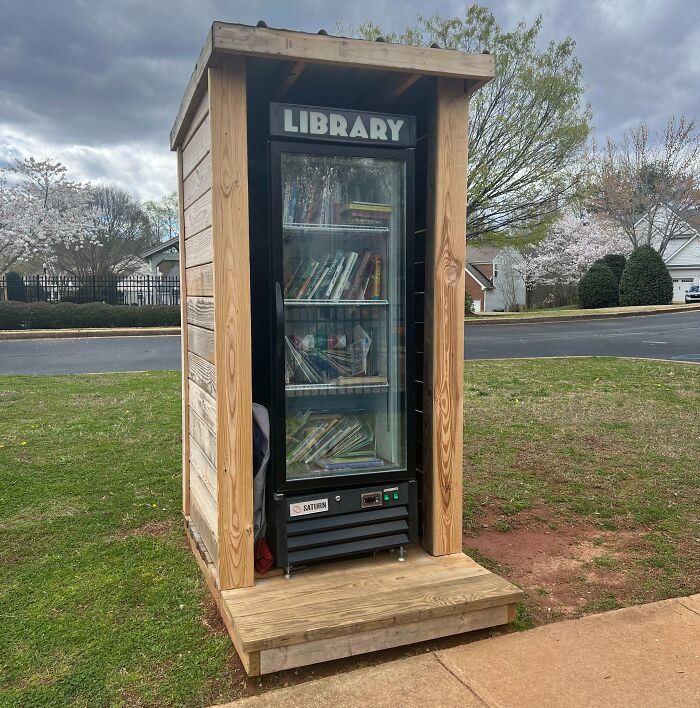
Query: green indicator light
[[386, 497], [396, 495]]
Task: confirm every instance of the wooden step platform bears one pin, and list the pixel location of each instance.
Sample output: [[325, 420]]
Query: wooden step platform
[[358, 606]]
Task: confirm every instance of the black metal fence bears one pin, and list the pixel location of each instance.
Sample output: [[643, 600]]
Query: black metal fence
[[134, 290]]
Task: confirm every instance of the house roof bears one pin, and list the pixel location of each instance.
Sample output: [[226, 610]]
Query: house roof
[[481, 279], [170, 243], [302, 48], [482, 254]]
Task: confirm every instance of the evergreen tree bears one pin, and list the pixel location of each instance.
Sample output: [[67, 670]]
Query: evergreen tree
[[598, 287], [645, 279]]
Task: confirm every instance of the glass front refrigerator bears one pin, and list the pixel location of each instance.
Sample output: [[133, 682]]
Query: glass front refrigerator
[[343, 467]]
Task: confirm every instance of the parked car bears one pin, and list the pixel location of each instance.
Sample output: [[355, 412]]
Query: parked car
[[692, 294]]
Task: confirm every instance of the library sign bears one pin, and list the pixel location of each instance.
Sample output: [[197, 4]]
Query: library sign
[[338, 125]]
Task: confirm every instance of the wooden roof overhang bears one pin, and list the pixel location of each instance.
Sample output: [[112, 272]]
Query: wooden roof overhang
[[302, 48]]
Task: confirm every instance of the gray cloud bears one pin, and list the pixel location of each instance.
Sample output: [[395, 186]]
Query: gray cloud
[[97, 85]]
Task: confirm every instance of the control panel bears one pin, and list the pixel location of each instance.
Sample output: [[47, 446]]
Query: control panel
[[370, 499]]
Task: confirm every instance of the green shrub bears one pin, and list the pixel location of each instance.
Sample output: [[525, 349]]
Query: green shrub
[[67, 315], [598, 287], [468, 303], [616, 262], [645, 279]]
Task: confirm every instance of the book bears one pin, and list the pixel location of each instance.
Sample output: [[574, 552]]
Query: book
[[330, 270], [354, 289], [377, 278], [340, 264], [338, 463], [361, 380], [350, 260], [318, 276], [311, 272], [368, 206]]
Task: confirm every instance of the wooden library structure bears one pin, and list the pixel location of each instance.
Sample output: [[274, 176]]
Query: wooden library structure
[[323, 196]]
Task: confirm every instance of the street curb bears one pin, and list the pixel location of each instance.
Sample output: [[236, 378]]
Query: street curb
[[9, 334], [478, 320]]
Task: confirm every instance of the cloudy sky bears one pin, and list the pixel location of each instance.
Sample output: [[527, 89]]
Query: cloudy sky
[[96, 83]]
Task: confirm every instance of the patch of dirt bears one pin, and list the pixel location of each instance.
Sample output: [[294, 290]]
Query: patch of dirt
[[150, 528], [567, 567]]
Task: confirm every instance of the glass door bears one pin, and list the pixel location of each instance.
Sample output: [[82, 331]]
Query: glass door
[[344, 316]]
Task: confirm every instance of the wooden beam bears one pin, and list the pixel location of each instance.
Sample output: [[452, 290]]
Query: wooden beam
[[393, 87], [193, 95], [341, 51], [444, 319], [234, 439], [183, 344], [289, 78]]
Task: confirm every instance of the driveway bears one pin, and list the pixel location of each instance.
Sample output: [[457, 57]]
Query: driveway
[[675, 336]]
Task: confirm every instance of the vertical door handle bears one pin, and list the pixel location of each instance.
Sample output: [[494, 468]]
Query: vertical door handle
[[279, 317]]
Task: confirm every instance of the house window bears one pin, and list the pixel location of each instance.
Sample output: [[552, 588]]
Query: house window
[[495, 269]]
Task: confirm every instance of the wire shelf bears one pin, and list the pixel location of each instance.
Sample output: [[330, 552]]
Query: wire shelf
[[354, 228], [335, 303]]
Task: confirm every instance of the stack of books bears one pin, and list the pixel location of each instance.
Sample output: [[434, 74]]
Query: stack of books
[[345, 275], [307, 202], [319, 437], [366, 214], [314, 360]]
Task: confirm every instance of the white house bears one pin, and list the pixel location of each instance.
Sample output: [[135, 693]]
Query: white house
[[682, 253], [164, 258], [494, 278]]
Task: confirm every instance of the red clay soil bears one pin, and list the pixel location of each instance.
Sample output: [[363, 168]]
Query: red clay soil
[[566, 567]]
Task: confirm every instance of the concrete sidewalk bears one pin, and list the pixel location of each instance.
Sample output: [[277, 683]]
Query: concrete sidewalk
[[647, 655]]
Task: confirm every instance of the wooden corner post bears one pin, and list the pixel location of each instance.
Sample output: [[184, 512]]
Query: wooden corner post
[[231, 264], [183, 347], [444, 318]]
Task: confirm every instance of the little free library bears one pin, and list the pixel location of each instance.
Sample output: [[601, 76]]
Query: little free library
[[323, 199]]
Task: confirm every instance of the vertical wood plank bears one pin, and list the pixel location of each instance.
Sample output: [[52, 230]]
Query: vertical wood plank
[[183, 346], [444, 319], [234, 446]]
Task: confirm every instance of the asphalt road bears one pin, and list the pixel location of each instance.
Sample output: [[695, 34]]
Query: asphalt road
[[89, 355], [675, 337]]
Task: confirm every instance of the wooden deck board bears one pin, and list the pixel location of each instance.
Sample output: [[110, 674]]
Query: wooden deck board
[[370, 598]]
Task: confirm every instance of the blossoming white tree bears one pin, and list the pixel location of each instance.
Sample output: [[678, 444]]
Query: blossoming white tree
[[41, 211], [571, 246]]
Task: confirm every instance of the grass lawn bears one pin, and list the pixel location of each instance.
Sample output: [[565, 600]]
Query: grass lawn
[[102, 602], [582, 480]]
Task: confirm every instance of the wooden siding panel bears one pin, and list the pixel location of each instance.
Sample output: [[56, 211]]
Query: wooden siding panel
[[203, 405], [198, 183], [200, 280], [199, 249], [196, 149], [200, 312], [198, 216], [202, 373], [204, 467], [201, 342], [200, 113], [227, 102], [444, 316], [207, 534], [203, 436], [202, 492]]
